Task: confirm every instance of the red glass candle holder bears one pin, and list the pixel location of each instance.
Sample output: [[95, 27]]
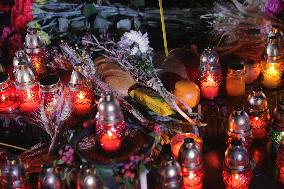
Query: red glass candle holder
[[28, 98], [82, 100], [110, 123], [111, 136], [260, 125], [192, 179], [8, 99], [210, 84], [237, 180], [50, 92]]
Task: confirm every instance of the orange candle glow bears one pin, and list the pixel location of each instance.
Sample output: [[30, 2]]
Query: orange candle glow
[[260, 125], [82, 103], [192, 179], [29, 99], [110, 141], [38, 61], [210, 87], [237, 180]]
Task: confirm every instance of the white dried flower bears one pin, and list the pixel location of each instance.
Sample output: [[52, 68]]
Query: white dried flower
[[135, 42]]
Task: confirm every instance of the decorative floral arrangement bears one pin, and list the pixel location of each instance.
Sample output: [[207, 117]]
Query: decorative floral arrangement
[[22, 14], [134, 55]]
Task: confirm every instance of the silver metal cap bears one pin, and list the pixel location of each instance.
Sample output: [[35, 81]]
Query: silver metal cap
[[109, 110], [189, 155], [33, 43], [238, 123], [236, 158], [22, 57], [13, 173], [49, 83], [88, 178], [273, 49], [24, 76], [257, 101], [276, 32], [49, 178], [170, 175], [278, 117], [77, 78], [209, 59]]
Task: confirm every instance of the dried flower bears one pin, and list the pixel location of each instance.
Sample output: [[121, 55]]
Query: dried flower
[[135, 42]]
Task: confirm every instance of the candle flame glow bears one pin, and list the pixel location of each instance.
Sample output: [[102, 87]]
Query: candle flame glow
[[81, 95]]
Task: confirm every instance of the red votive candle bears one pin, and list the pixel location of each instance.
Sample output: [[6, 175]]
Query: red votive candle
[[8, 99]]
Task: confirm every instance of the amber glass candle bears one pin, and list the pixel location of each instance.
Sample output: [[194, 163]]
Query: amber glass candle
[[271, 73], [8, 99], [235, 81]]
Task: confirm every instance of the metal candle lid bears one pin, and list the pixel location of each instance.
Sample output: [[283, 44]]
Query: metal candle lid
[[236, 69], [236, 158], [257, 101], [189, 155], [238, 123], [24, 76], [4, 80], [209, 59], [49, 178], [23, 58], [276, 32], [33, 43], [278, 117], [13, 173], [77, 78], [88, 178], [170, 174], [109, 110], [273, 49], [49, 83]]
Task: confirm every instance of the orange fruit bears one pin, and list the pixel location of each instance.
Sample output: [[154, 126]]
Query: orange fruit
[[187, 91]]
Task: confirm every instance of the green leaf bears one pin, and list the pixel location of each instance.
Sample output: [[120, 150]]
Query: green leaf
[[60, 162], [68, 179], [88, 10]]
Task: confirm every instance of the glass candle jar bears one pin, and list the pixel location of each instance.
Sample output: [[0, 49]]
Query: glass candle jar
[[35, 49], [239, 127], [190, 159], [110, 123], [27, 89], [81, 93], [237, 172], [235, 82], [252, 70], [257, 108], [8, 98], [210, 77], [50, 92], [272, 65]]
